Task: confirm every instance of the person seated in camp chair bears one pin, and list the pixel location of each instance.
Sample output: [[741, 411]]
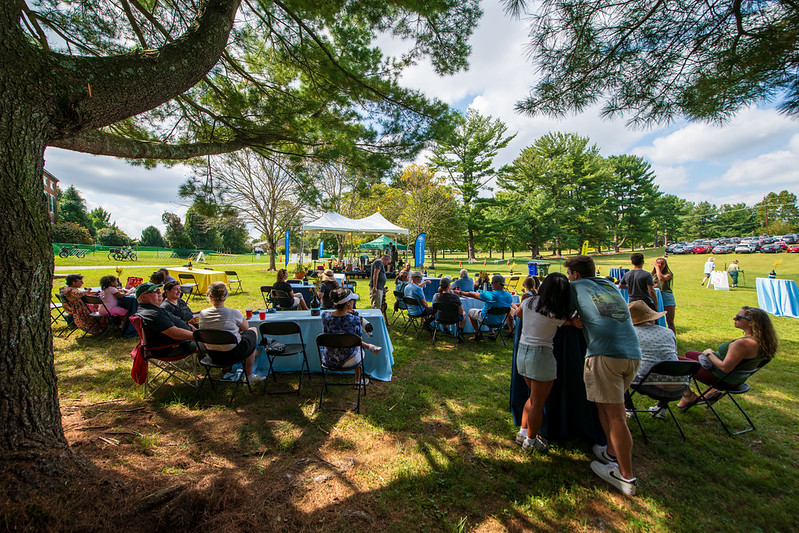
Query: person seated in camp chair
[[175, 305], [344, 320], [282, 285], [80, 311], [657, 344], [161, 328], [496, 297], [746, 353], [231, 320], [446, 295], [464, 282], [414, 290]]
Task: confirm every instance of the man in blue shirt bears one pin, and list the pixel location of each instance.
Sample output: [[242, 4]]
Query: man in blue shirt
[[464, 282], [496, 297], [423, 310], [612, 358]]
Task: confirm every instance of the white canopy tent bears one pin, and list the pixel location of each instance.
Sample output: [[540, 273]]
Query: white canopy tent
[[334, 223]]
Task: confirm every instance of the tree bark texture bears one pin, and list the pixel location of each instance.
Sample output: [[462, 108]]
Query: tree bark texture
[[45, 96], [29, 409]]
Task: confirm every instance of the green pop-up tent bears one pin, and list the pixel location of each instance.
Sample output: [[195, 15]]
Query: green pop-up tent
[[381, 243]]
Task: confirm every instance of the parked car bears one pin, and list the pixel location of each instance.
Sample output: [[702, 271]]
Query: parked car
[[701, 249], [791, 238], [781, 244], [724, 249], [745, 249], [793, 248], [772, 248], [679, 250]]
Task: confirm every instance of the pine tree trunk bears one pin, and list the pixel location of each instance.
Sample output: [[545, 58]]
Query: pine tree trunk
[[29, 410]]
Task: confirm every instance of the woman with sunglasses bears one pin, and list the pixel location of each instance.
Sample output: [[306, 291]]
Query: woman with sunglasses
[[344, 320], [746, 353]]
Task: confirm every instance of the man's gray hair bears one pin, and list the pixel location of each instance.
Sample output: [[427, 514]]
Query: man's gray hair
[[464, 273]]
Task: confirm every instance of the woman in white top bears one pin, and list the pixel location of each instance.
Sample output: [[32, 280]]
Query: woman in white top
[[541, 315], [222, 318]]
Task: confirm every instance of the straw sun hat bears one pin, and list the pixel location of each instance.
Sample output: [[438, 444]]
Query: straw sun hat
[[327, 275], [640, 312]]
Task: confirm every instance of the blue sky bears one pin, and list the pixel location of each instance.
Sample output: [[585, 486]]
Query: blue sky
[[756, 153]]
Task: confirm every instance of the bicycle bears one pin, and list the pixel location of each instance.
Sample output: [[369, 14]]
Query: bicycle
[[66, 251], [123, 254]]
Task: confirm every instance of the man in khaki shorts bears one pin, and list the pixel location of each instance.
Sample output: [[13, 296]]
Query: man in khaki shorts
[[611, 362]]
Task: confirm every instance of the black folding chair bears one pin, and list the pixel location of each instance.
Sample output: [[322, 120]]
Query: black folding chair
[[266, 294], [496, 317], [190, 282], [341, 340], [100, 321], [282, 301], [232, 278], [729, 390], [447, 315], [215, 336], [70, 326], [401, 307], [269, 330], [663, 395], [414, 315]]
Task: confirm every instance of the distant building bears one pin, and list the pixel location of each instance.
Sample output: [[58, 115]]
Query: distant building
[[50, 184]]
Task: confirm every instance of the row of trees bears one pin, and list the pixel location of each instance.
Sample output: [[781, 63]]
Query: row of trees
[[75, 224]]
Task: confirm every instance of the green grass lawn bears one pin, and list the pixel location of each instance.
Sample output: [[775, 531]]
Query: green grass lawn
[[433, 449]]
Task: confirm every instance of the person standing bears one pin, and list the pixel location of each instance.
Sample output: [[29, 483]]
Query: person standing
[[612, 358], [377, 285], [733, 270], [639, 283], [663, 279], [710, 266]]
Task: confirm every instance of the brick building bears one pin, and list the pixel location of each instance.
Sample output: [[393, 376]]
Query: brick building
[[50, 183]]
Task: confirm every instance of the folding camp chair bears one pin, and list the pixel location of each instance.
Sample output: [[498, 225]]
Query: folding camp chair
[[662, 395], [496, 317], [341, 340], [269, 330], [729, 390], [282, 301], [232, 278], [414, 315], [58, 307], [216, 336], [266, 294], [170, 361]]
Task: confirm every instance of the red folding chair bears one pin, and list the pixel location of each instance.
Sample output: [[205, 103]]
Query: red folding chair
[[173, 366]]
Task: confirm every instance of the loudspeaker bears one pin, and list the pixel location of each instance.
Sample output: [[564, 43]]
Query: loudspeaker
[[315, 254]]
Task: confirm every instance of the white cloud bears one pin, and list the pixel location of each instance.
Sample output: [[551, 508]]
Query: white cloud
[[752, 129], [669, 178]]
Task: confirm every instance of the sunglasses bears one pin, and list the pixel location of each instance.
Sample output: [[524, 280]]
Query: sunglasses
[[739, 317]]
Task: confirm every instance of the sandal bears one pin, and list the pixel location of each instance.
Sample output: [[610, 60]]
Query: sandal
[[689, 399], [713, 396]]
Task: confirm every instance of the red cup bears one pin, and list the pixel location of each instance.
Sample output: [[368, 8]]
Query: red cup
[[262, 314], [249, 312]]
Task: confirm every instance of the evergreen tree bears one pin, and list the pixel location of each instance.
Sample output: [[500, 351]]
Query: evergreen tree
[[72, 208], [150, 236]]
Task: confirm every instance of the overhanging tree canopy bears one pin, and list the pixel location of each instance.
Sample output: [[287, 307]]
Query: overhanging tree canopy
[[200, 77]]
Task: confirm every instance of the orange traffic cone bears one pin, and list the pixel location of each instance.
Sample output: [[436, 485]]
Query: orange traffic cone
[[485, 261], [460, 265]]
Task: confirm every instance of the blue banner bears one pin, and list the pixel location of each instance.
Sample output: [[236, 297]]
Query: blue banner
[[321, 249], [287, 247], [418, 250]]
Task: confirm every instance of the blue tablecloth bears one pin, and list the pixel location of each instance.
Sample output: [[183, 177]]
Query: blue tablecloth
[[567, 413], [431, 288], [780, 297], [618, 273], [377, 366], [662, 320]]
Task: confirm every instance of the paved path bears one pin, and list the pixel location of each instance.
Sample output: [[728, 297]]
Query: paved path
[[136, 265]]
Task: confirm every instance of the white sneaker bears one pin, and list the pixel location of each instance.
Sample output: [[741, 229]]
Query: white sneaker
[[365, 382], [520, 438], [255, 378], [601, 453], [536, 444], [661, 413], [375, 349], [610, 473]]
